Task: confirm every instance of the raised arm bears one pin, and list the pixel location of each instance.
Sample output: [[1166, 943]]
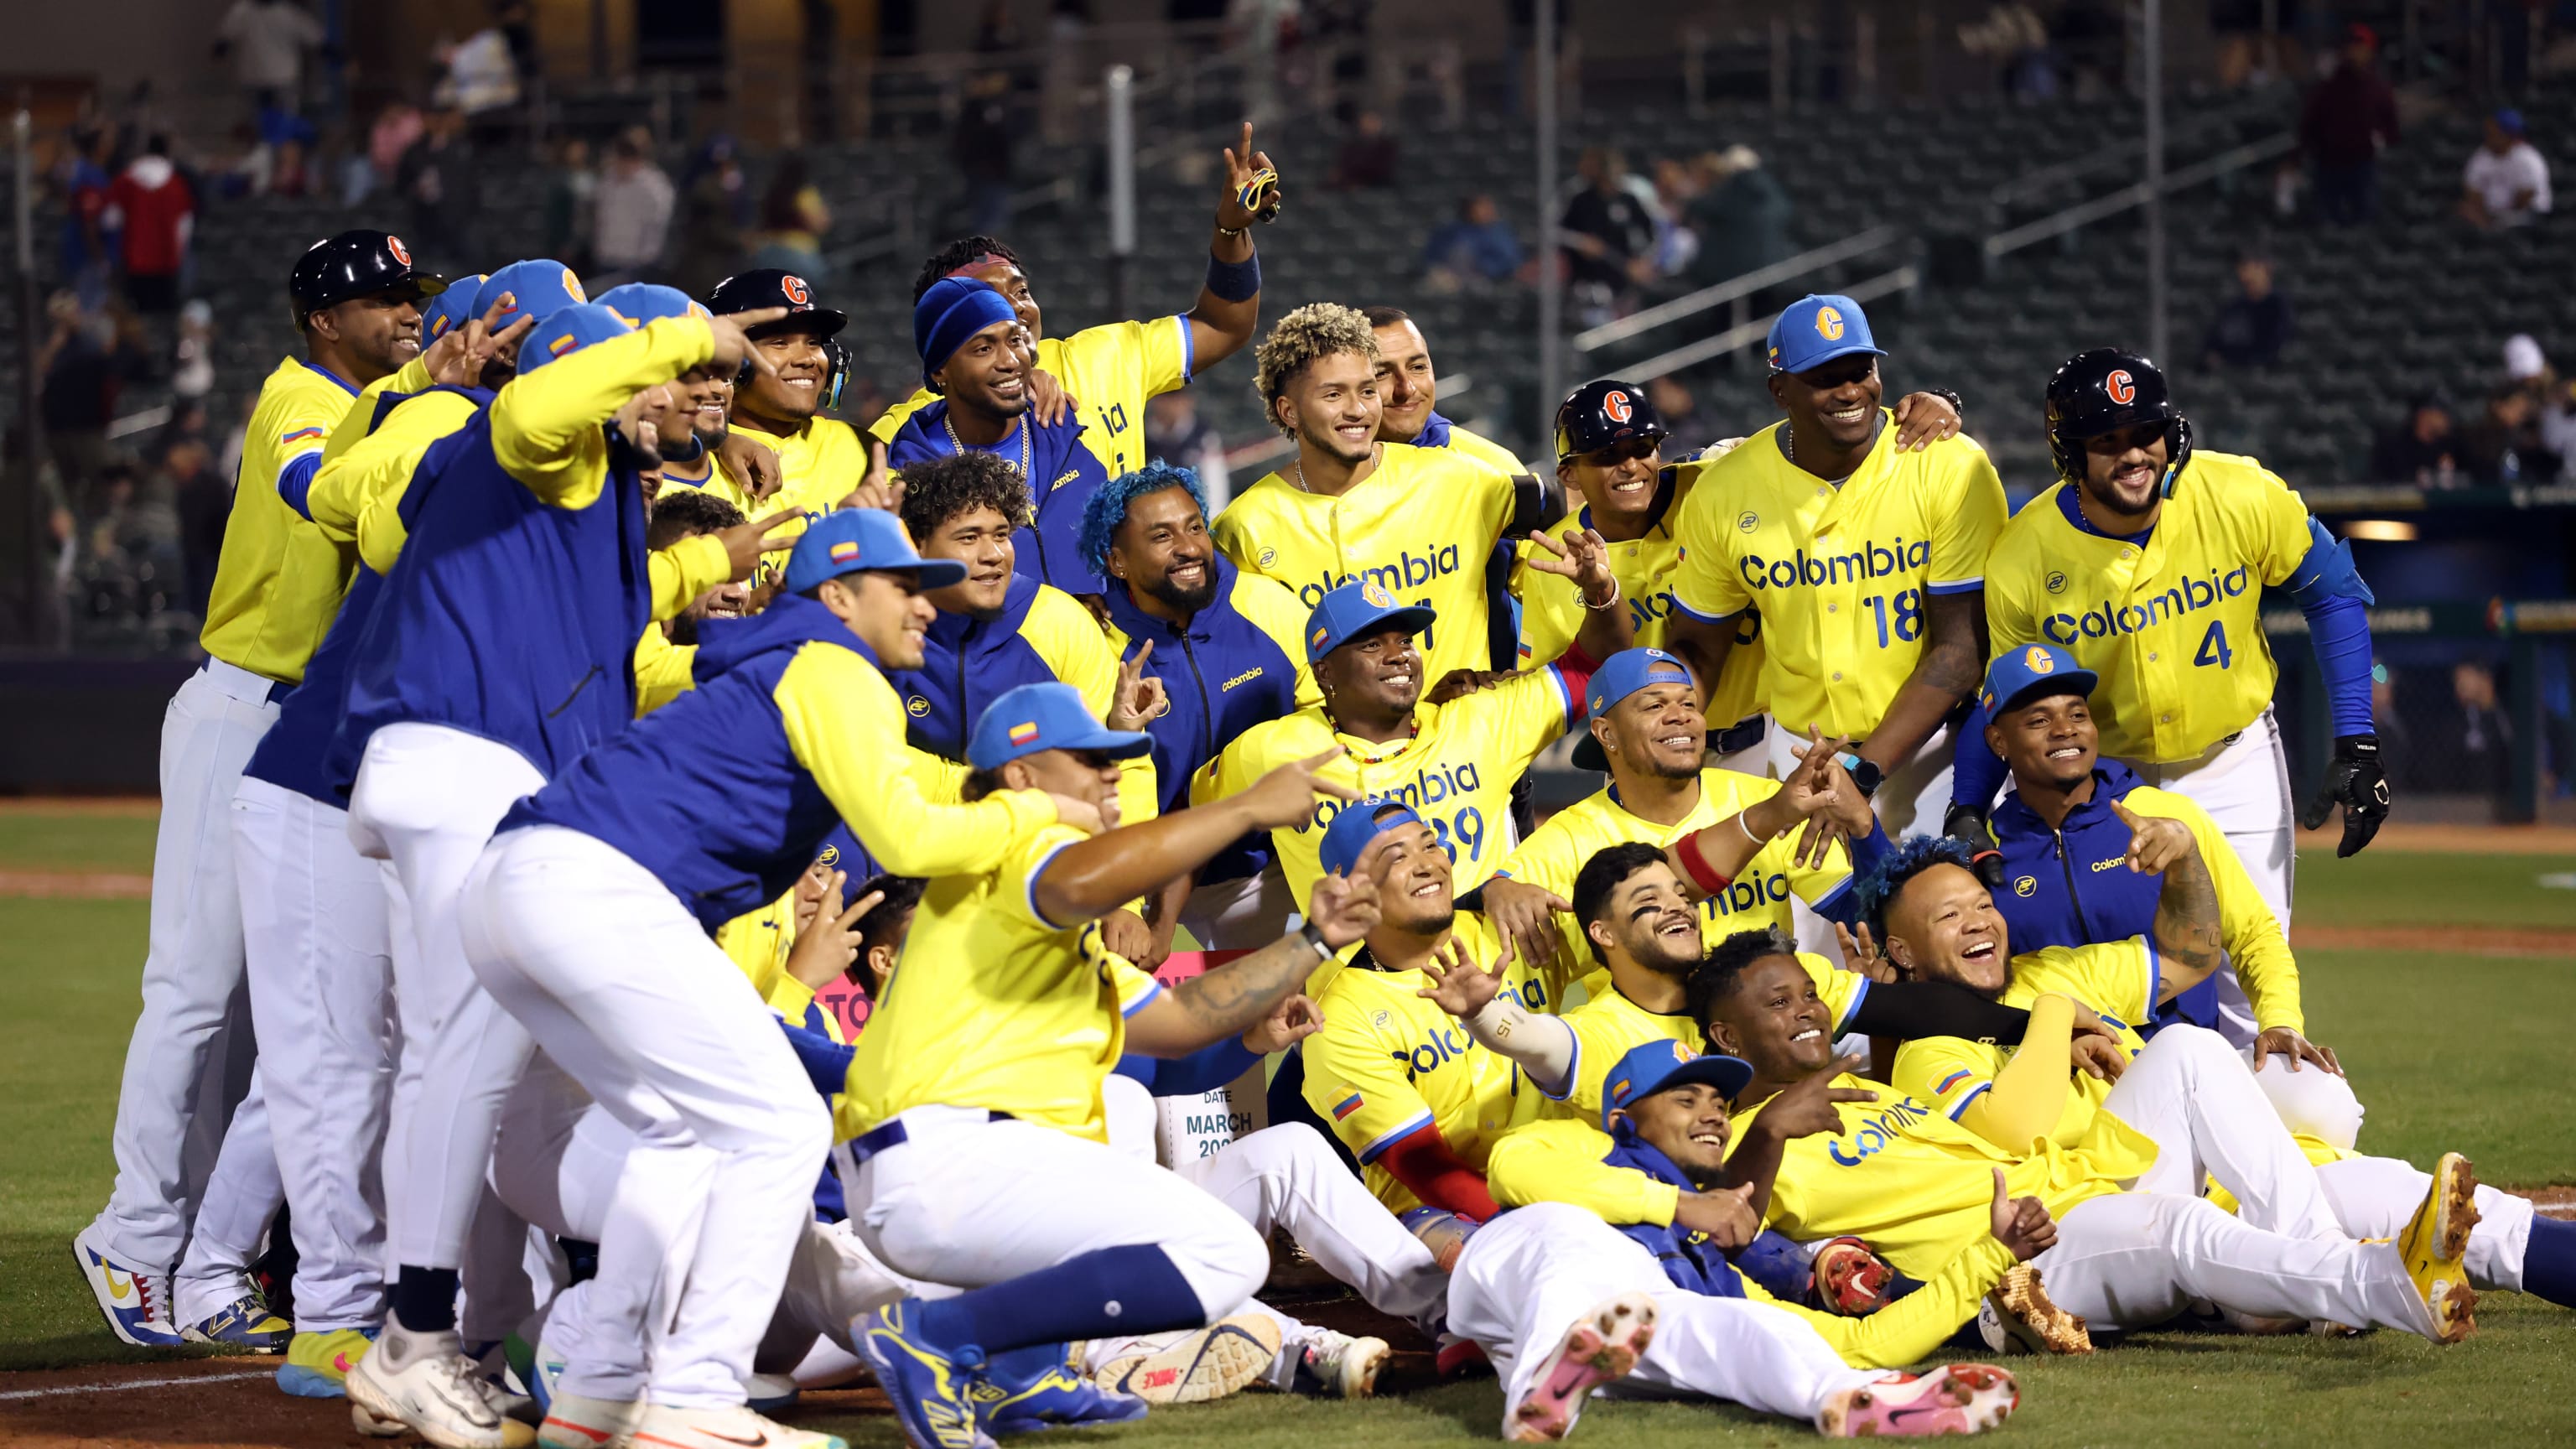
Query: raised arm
[[1245, 992], [1228, 309], [1095, 876], [2190, 936]]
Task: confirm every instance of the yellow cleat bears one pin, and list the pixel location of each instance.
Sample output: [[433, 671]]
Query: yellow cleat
[[317, 1364], [2435, 1240]]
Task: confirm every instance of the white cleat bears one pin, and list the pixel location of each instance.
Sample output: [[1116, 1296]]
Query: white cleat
[[577, 1421], [667, 1427], [1340, 1366], [437, 1393]]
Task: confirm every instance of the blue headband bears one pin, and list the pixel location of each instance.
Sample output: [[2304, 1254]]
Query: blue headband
[[954, 309]]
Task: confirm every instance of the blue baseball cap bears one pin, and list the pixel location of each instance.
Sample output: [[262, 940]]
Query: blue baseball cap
[[642, 302], [1356, 824], [1660, 1066], [859, 540], [1816, 329], [1362, 606], [539, 288], [1624, 674], [2020, 675], [566, 331], [1039, 717], [450, 309]]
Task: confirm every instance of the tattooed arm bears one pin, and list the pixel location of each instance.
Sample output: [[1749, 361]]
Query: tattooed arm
[[1241, 994], [2190, 940]]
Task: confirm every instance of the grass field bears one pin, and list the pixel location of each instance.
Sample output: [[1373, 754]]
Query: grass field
[[2464, 1052]]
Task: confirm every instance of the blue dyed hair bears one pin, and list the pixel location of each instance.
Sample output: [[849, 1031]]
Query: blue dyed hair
[[1904, 863], [1108, 507]]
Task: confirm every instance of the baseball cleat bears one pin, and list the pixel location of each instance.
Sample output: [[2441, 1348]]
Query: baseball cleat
[[2435, 1240], [1603, 1346], [931, 1392], [769, 1393], [243, 1323], [1850, 1279], [318, 1364], [578, 1421], [1336, 1365], [1014, 1398], [667, 1426], [134, 1299], [438, 1393], [2017, 1317], [1455, 1357], [1225, 1357], [1959, 1398]]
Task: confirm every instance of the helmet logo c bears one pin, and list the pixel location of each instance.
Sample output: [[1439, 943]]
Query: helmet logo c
[[401, 253], [1616, 407], [2122, 388], [794, 289]]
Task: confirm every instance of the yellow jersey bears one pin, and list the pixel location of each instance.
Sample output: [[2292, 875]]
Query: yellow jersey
[[1388, 1062], [1608, 1026], [2172, 624], [715, 482], [818, 465], [1456, 770], [1485, 450], [1420, 525], [1009, 1010], [1555, 854], [1110, 370], [1842, 575]]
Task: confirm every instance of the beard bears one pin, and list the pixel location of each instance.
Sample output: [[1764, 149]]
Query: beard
[[1329, 442], [1188, 601]]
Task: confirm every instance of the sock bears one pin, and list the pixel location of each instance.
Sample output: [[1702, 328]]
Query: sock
[[424, 1299], [1108, 1291], [2549, 1261]]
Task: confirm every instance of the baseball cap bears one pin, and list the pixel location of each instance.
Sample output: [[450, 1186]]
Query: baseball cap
[[1818, 328], [642, 302], [452, 309], [1624, 674], [1362, 606], [2020, 675], [1039, 717], [539, 288], [1354, 826], [764, 287], [566, 331], [1660, 1066], [860, 540]]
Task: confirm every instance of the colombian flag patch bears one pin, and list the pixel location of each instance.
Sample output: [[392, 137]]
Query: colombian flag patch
[[299, 435], [561, 345], [1346, 1106], [846, 551], [1021, 734], [1950, 1081]]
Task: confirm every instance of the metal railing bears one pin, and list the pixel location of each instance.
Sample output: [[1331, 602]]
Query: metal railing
[[2235, 158], [1877, 238], [1745, 334]]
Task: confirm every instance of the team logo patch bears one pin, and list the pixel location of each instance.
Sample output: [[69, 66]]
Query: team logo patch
[[401, 253], [1376, 594], [2036, 660], [916, 706], [1747, 521], [831, 855], [1269, 556], [846, 551], [794, 288], [2025, 885], [2056, 582], [572, 287], [1616, 407], [1022, 734], [1829, 324], [2122, 388], [1346, 1106]]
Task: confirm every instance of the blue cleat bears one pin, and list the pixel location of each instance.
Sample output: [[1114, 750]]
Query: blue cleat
[[244, 1323], [1052, 1393], [930, 1387], [134, 1300]]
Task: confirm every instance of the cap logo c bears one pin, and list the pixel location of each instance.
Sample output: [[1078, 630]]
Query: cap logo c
[[794, 289], [1829, 324], [2036, 660], [1616, 407], [1375, 593], [2122, 388], [572, 287], [401, 253]]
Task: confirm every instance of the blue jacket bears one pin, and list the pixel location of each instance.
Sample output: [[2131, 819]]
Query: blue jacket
[[966, 664], [506, 616], [1685, 1256], [1062, 474], [2071, 898], [727, 830]]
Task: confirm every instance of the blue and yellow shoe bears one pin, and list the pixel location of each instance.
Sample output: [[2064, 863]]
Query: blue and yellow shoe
[[1027, 1390], [931, 1388], [2435, 1241], [244, 1323], [134, 1300], [317, 1364]]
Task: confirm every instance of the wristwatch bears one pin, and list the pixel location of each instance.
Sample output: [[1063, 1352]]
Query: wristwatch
[[1314, 937], [1864, 773]]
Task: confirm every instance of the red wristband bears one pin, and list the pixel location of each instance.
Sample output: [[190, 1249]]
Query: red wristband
[[1696, 866]]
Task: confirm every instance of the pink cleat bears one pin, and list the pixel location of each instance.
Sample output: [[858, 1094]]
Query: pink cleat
[[1604, 1345], [1959, 1398]]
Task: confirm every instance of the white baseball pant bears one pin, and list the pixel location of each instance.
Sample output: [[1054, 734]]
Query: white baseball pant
[[166, 1132], [1243, 914], [2243, 781], [2374, 1196], [2135, 1259], [2194, 1095], [1526, 1278], [426, 800], [628, 995], [2309, 1099], [241, 1200], [321, 976]]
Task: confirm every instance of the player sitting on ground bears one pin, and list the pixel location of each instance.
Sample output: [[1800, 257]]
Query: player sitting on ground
[[1668, 1315]]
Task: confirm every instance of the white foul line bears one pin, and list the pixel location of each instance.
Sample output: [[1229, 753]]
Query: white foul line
[[62, 1389]]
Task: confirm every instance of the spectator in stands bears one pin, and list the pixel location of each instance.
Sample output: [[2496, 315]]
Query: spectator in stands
[[2421, 451], [1741, 216], [85, 363], [1176, 434], [154, 209], [204, 503], [2396, 733], [2349, 118], [192, 373], [2504, 445], [793, 221], [2012, 38], [2506, 182], [396, 127], [715, 215], [2254, 325], [1685, 431], [1367, 159], [442, 186], [981, 151], [1675, 187], [2477, 735], [266, 40], [632, 214], [482, 81], [89, 245], [1608, 237], [1474, 249], [572, 197]]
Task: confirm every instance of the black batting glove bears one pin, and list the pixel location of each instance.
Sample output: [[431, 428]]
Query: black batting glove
[[1967, 825], [2354, 781]]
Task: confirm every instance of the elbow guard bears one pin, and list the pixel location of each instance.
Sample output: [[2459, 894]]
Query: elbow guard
[[2327, 572]]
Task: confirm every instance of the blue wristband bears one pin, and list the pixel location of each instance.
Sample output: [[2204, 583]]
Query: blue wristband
[[1234, 281]]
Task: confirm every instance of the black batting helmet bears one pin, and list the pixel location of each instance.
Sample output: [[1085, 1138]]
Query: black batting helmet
[[2103, 390], [356, 263], [777, 287], [1600, 414]]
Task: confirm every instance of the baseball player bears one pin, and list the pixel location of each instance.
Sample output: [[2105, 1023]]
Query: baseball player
[[1102, 375], [1408, 393], [977, 356], [1865, 562], [356, 300], [500, 649], [780, 403], [1417, 522], [2146, 561], [975, 1111]]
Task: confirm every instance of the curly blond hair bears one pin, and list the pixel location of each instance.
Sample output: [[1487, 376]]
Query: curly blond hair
[[1318, 329]]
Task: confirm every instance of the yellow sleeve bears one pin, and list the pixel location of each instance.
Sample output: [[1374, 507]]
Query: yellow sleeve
[[1275, 612], [547, 424], [789, 997], [843, 722], [663, 670], [2118, 979], [1015, 881], [2281, 538], [1915, 1326], [1527, 713], [1139, 358], [1551, 610], [685, 570], [890, 422], [1072, 643], [1559, 1160], [1972, 515], [2009, 622], [374, 468], [757, 941], [1811, 882], [1705, 584], [1486, 451], [1840, 990], [1357, 1080], [2021, 1106], [2255, 945]]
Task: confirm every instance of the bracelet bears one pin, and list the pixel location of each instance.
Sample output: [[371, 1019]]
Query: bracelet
[[1956, 404], [1696, 866], [1609, 603], [1232, 231], [1313, 935], [1747, 827]]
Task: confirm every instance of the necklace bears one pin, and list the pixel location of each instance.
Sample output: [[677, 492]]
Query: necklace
[[1022, 424], [1299, 465]]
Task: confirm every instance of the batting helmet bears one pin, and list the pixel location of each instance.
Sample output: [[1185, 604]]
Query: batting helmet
[[2104, 390], [777, 287], [1600, 414], [356, 263]]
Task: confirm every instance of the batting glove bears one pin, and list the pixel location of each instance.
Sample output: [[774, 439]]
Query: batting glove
[[1967, 825], [2354, 781]]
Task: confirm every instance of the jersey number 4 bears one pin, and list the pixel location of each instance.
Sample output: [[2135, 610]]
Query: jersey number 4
[[2214, 653]]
